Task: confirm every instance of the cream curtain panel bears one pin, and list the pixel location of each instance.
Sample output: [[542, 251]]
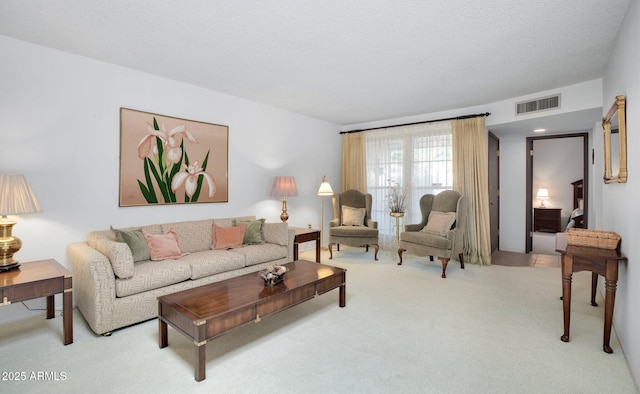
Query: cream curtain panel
[[354, 167], [471, 179]]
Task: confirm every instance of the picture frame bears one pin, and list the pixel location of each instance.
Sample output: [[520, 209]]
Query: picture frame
[[169, 160], [614, 126]]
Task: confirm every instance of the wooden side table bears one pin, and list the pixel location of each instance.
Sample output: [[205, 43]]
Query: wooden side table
[[44, 278], [306, 235], [600, 262]]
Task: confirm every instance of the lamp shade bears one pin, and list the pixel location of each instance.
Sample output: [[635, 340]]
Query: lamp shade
[[543, 194], [16, 196], [284, 186], [325, 188]]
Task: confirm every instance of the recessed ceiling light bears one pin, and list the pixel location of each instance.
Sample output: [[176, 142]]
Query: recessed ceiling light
[[539, 130]]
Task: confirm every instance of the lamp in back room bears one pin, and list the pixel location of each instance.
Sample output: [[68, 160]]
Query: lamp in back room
[[16, 198], [543, 194], [284, 186]]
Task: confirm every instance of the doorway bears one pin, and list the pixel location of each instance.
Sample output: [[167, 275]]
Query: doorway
[[566, 189]]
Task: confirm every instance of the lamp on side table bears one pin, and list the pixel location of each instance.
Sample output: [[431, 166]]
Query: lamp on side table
[[16, 198]]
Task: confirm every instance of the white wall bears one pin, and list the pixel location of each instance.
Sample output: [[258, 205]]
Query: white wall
[[59, 125], [620, 208], [513, 189], [577, 97]]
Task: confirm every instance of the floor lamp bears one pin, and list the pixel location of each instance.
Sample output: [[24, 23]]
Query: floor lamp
[[324, 191]]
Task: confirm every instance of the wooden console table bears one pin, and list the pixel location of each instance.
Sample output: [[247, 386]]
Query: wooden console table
[[306, 235], [36, 279], [600, 262]]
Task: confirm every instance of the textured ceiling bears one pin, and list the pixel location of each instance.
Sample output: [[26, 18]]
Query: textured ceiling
[[342, 61]]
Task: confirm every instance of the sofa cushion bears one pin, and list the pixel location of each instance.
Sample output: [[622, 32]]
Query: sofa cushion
[[118, 254], [439, 223], [276, 233], [193, 236], [94, 236], [253, 234], [163, 246], [353, 216], [213, 262], [136, 242], [153, 275], [227, 237], [228, 222], [256, 254]]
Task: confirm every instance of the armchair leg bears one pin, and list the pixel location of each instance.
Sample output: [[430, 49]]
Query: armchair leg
[[330, 251], [461, 260], [445, 261], [375, 256], [400, 250], [366, 248], [430, 258]]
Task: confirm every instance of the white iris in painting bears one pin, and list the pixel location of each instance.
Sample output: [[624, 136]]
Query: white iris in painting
[[189, 178], [169, 139]]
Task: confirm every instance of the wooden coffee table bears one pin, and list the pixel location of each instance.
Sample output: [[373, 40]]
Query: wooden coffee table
[[204, 312]]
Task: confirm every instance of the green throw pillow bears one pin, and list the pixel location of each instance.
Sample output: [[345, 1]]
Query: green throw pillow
[[252, 231], [136, 241]]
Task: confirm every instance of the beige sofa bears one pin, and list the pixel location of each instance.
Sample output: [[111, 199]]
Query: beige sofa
[[111, 291]]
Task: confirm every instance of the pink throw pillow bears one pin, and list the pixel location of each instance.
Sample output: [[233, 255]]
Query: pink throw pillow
[[165, 246], [228, 237]]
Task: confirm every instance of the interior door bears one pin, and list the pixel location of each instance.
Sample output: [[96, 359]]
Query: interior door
[[493, 165]]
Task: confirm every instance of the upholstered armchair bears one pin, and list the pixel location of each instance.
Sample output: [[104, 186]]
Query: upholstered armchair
[[352, 224], [440, 233]]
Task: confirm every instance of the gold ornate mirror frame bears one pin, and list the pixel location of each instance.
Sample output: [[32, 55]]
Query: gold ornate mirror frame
[[615, 143]]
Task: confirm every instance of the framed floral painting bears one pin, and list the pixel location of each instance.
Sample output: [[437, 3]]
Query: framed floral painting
[[167, 160]]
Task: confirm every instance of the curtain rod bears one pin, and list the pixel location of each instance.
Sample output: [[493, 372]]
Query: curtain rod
[[423, 122]]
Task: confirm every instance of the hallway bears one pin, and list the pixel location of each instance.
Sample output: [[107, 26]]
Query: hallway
[[513, 259]]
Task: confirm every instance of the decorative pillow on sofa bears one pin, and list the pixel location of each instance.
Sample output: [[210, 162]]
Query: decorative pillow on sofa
[[439, 223], [353, 216], [252, 231], [136, 241], [228, 237], [163, 247]]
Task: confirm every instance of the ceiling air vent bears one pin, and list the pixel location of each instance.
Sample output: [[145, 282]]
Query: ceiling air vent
[[541, 104]]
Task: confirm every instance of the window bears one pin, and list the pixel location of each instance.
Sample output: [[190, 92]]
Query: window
[[419, 156]]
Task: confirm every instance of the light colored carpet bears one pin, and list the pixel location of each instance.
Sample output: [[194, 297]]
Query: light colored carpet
[[483, 329]]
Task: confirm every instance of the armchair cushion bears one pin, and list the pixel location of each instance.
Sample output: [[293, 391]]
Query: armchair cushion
[[439, 223], [426, 240], [353, 216], [354, 231]]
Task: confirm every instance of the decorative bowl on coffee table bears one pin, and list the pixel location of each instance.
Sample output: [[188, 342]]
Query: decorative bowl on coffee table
[[273, 275]]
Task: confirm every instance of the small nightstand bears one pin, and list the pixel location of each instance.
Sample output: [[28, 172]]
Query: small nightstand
[[546, 220]]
